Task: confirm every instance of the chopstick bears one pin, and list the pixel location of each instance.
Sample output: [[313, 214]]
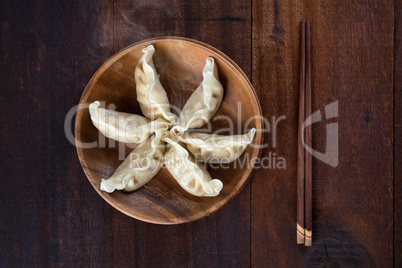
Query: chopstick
[[300, 147], [304, 158], [308, 156]]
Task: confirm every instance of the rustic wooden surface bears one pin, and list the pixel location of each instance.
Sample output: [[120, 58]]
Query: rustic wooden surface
[[51, 216], [352, 62], [398, 136]]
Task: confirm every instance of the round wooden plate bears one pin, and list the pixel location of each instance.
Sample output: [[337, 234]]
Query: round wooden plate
[[180, 62]]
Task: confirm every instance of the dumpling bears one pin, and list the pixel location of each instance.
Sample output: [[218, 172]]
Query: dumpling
[[139, 167], [151, 95], [191, 175], [204, 102], [217, 148], [123, 127]]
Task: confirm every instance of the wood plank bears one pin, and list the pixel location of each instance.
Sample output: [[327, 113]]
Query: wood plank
[[222, 239], [50, 214], [352, 63], [276, 45], [398, 137]]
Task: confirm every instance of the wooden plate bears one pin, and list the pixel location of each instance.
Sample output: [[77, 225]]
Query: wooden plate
[[180, 62]]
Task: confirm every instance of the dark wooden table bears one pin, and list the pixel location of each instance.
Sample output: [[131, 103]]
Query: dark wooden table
[[51, 216]]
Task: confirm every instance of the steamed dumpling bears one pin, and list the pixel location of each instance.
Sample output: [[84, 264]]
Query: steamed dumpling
[[204, 102], [151, 95], [217, 148], [123, 127], [191, 175], [139, 167]]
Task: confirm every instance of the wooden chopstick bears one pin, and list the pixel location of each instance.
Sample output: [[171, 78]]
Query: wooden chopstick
[[304, 158], [308, 158], [300, 147]]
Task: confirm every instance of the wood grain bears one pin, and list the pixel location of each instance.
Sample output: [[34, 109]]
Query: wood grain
[[51, 216], [276, 42], [349, 46], [397, 137]]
